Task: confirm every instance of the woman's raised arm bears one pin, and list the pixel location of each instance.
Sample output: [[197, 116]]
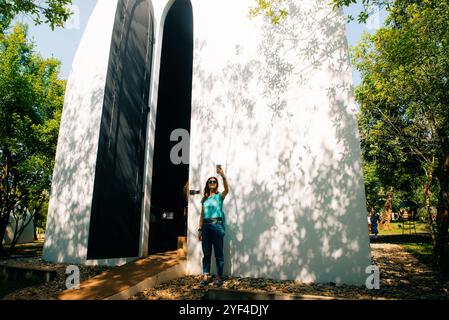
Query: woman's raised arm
[[225, 183]]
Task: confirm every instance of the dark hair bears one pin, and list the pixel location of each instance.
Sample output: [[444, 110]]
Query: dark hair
[[206, 192]]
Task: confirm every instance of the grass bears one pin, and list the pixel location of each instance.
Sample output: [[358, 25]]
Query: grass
[[395, 235], [423, 252], [397, 229]]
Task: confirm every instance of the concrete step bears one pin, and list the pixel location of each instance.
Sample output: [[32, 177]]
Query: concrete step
[[125, 281]]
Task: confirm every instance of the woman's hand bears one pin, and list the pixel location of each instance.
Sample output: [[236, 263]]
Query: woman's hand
[[220, 172]]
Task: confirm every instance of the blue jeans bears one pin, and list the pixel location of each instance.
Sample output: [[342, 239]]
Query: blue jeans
[[374, 228], [212, 235]]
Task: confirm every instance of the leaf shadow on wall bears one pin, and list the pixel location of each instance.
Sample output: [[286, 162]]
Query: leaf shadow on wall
[[276, 235]]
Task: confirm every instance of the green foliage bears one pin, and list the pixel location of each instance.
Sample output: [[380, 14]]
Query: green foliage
[[272, 9], [368, 7], [53, 12], [31, 99], [404, 99], [401, 116]]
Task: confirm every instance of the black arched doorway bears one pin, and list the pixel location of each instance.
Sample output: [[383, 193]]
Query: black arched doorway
[[168, 216], [114, 230]]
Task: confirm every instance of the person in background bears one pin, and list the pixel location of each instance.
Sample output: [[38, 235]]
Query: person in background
[[375, 218]]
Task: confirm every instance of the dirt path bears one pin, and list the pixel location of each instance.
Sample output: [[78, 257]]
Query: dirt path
[[405, 277]]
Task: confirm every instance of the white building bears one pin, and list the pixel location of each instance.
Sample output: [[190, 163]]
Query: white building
[[27, 233], [273, 104]]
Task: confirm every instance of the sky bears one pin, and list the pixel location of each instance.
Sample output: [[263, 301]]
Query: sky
[[354, 30], [62, 43]]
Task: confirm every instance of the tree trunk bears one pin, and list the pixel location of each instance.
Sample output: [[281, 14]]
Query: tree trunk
[[19, 231], [16, 235], [37, 214], [4, 189], [427, 187], [441, 248], [386, 214], [4, 219]]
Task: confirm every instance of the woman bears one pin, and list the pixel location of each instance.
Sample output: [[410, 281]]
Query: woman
[[212, 227]]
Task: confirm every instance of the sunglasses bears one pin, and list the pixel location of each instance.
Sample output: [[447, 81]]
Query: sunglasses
[[212, 182]]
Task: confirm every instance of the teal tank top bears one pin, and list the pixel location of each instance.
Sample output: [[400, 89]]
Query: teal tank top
[[213, 208]]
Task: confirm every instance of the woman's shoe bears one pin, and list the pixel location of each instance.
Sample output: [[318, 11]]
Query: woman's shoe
[[218, 283], [203, 283]]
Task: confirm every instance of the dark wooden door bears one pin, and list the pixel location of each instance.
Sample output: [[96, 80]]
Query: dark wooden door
[[116, 208]]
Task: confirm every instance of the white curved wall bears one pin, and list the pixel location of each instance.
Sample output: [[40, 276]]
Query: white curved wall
[[73, 177], [274, 106]]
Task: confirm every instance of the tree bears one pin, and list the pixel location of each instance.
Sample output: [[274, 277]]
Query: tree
[[31, 99], [272, 9], [404, 98], [54, 12], [368, 7]]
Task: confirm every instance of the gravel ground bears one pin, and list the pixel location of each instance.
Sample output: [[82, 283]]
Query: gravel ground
[[402, 276]]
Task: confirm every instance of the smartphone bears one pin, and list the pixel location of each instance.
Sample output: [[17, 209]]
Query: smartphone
[[218, 167]]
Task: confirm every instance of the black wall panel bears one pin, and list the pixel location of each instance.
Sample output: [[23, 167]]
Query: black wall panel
[[116, 209]]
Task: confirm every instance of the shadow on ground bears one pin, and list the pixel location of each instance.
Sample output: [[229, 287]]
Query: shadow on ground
[[402, 239], [10, 286]]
